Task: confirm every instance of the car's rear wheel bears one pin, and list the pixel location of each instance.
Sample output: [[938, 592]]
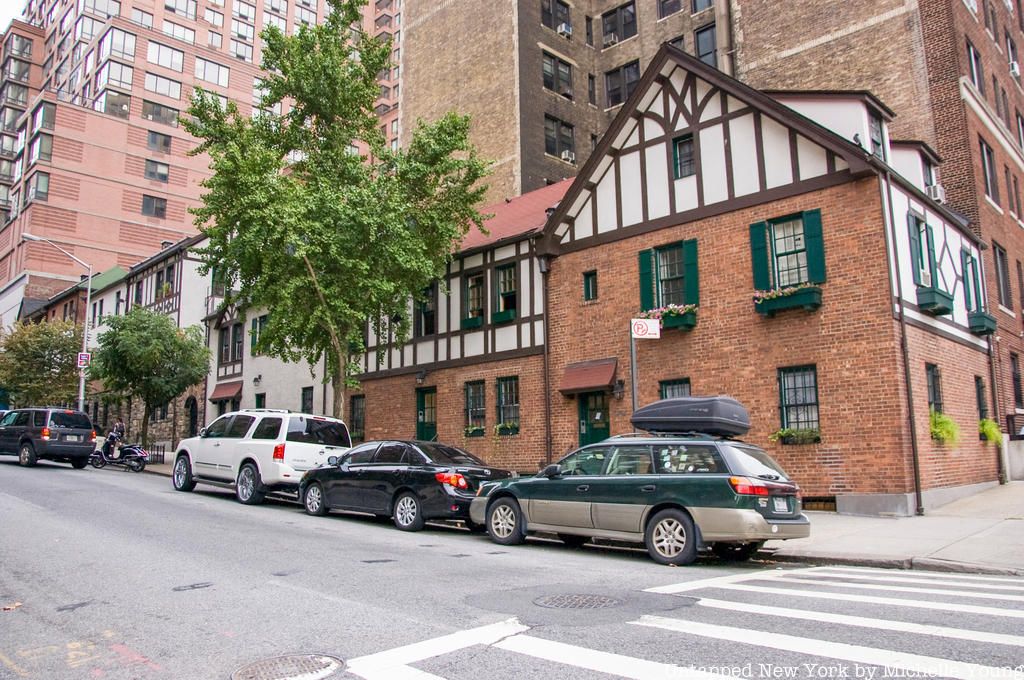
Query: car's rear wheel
[[26, 455], [505, 522], [736, 552], [671, 538], [313, 500], [247, 486], [182, 475], [408, 513], [572, 540], [79, 463]]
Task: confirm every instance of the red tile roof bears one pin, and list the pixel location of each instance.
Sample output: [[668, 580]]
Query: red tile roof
[[517, 216]]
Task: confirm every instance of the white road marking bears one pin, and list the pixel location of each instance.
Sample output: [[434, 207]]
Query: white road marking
[[917, 573], [913, 663], [878, 624], [888, 601], [910, 578], [807, 578], [393, 663], [715, 582], [604, 662]]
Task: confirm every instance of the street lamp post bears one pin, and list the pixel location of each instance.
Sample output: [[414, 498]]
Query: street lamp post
[[85, 320]]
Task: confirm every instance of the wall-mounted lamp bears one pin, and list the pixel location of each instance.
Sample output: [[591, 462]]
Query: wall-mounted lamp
[[619, 391], [256, 380], [421, 376]]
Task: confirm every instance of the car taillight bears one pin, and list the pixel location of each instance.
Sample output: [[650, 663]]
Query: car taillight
[[278, 452], [454, 479], [92, 437], [745, 486], [46, 434]]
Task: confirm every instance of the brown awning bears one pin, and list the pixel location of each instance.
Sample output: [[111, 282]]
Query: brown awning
[[228, 390], [589, 376]]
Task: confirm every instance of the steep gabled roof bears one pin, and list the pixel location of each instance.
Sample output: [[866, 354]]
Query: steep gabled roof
[[516, 217]]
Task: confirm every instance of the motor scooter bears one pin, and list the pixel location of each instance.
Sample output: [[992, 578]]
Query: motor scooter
[[132, 456]]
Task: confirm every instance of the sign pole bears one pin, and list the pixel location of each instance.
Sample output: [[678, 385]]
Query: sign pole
[[640, 328], [632, 369]]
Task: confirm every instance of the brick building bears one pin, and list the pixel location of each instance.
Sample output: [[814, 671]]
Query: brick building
[[542, 79]]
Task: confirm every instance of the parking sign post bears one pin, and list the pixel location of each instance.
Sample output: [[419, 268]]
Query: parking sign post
[[644, 329]]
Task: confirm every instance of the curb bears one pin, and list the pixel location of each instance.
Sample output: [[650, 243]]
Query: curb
[[905, 563]]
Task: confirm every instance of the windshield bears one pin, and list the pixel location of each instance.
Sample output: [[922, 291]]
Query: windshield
[[315, 431], [70, 419], [753, 462], [447, 455]]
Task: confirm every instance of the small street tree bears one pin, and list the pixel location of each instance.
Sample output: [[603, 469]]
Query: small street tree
[[38, 362], [323, 237], [144, 355]]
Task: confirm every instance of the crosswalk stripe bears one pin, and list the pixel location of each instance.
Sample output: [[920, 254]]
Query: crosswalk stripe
[[393, 663], [870, 599], [933, 575], [793, 576], [604, 662], [913, 663], [878, 624], [899, 578], [674, 588]]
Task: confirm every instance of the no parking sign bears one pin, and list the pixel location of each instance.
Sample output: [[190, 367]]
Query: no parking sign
[[645, 328]]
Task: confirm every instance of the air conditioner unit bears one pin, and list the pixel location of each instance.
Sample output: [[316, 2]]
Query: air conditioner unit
[[936, 192], [567, 92], [611, 39], [568, 156], [564, 29], [1015, 69]]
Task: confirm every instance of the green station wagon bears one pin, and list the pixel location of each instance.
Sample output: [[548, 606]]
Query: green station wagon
[[673, 492]]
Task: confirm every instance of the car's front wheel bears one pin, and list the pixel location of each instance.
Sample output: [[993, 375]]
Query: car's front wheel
[[247, 486], [313, 500], [27, 455], [505, 522], [671, 538], [408, 513], [182, 475]]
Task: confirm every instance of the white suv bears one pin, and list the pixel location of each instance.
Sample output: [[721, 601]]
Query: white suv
[[258, 451]]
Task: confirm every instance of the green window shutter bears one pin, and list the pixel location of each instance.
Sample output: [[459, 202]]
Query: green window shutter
[[252, 335], [691, 282], [814, 242], [915, 247], [759, 255], [646, 280], [968, 274], [931, 255]]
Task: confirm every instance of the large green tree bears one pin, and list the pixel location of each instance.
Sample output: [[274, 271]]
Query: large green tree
[[38, 362], [144, 355], [323, 237]]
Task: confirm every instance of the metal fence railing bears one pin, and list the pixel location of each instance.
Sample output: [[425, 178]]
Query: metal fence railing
[[157, 453]]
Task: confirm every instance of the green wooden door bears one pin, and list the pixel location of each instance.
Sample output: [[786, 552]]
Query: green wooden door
[[594, 426], [426, 413]]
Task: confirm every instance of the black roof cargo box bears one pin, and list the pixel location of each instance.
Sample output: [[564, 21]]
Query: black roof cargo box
[[720, 416]]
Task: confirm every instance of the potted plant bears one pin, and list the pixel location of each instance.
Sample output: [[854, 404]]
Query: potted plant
[[767, 302], [506, 429], [673, 316], [943, 428], [165, 290], [796, 435], [473, 431], [989, 431]]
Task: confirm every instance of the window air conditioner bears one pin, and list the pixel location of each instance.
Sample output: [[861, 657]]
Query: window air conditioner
[[564, 29], [611, 39], [936, 192], [568, 156], [1015, 69]]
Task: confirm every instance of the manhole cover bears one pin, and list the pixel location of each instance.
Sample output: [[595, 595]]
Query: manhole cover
[[291, 667], [576, 602]]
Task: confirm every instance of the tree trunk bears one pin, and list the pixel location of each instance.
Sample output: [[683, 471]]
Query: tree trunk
[[338, 386], [145, 427]]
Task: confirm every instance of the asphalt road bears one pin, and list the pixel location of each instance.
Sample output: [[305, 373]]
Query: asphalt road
[[108, 574]]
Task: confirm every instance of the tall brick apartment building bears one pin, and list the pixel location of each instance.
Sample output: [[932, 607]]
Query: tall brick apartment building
[[91, 154]]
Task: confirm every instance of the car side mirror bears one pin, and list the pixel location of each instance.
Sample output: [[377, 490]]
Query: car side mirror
[[332, 460], [202, 432], [551, 471]]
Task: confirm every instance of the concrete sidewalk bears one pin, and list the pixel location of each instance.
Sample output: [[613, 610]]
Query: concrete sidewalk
[[981, 534]]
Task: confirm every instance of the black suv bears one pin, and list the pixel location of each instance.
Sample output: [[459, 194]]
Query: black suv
[[56, 434]]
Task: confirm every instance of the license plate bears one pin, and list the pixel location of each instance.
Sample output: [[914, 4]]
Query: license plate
[[780, 504], [73, 438]]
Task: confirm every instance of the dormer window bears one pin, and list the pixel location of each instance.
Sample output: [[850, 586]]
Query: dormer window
[[875, 132]]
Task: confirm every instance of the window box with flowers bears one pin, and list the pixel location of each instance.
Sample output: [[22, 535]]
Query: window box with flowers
[[673, 316], [506, 429], [472, 322], [767, 302], [473, 431]]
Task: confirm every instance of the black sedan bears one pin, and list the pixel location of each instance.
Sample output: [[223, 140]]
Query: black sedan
[[409, 481]]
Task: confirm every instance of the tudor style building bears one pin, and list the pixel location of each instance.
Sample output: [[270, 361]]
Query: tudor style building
[[829, 294]]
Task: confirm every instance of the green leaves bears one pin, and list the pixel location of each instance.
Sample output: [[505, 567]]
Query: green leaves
[[324, 238], [38, 362]]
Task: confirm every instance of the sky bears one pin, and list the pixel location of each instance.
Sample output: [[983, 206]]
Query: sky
[[9, 9]]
